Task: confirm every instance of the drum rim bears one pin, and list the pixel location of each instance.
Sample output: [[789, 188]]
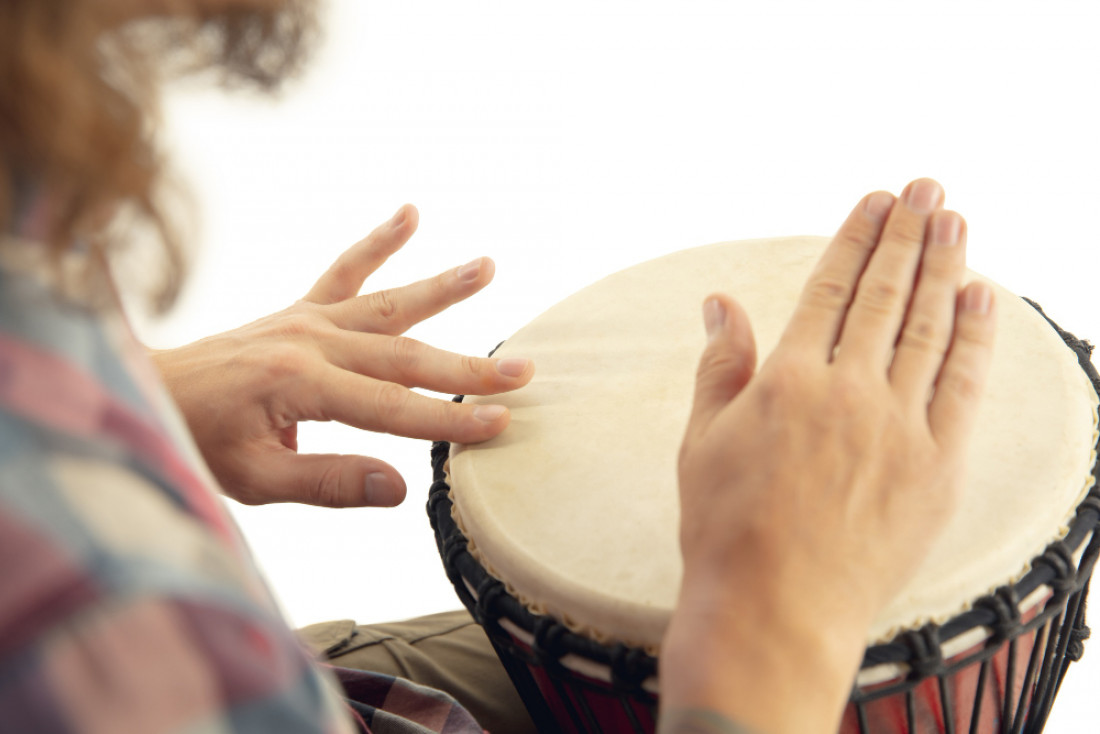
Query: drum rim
[[999, 611]]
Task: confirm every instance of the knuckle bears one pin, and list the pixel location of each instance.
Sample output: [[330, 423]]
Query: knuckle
[[960, 383], [880, 295], [443, 285], [296, 325], [923, 334], [723, 366], [384, 304], [828, 292], [323, 488], [471, 365], [714, 368], [857, 241], [391, 401], [407, 354], [908, 234], [974, 332], [939, 267]]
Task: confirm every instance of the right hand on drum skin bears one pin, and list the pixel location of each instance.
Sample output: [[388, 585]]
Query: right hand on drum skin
[[336, 355], [812, 488]]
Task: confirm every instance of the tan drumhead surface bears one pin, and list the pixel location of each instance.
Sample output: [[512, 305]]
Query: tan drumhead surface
[[574, 506]]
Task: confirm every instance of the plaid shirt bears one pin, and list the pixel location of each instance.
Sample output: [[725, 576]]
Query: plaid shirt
[[128, 600]]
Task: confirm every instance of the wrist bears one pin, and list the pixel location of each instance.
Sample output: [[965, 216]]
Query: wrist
[[773, 668]]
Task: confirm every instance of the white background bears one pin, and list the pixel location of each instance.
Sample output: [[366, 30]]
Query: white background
[[570, 139]]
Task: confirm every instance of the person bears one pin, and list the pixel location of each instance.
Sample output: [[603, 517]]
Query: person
[[129, 602]]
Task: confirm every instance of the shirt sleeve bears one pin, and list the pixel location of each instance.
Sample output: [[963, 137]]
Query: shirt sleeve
[[140, 631], [128, 602]]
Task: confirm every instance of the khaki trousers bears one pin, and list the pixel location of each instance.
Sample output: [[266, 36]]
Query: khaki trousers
[[448, 652]]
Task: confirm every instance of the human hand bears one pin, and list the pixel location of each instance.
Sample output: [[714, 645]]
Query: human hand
[[811, 490], [335, 355]]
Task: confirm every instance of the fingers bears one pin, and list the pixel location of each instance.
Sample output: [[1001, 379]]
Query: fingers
[[875, 316], [926, 333], [387, 407], [728, 362], [395, 311], [961, 381], [819, 314], [392, 311], [346, 276], [326, 480], [414, 364]]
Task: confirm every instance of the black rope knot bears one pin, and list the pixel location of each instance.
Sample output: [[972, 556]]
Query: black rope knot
[[439, 453], [453, 547], [1091, 503], [490, 592], [927, 655], [436, 494], [1004, 603], [1059, 559], [629, 667], [547, 647], [1076, 647]]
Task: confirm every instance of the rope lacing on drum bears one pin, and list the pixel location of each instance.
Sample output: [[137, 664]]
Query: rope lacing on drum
[[629, 667], [440, 450], [1004, 603], [453, 547], [490, 592], [1091, 503], [1059, 559], [547, 646], [1080, 632], [1077, 636], [436, 494], [927, 655]]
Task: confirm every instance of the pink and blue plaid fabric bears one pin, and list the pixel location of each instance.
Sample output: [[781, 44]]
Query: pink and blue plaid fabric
[[128, 600]]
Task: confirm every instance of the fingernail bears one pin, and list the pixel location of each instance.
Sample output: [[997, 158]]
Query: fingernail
[[399, 218], [923, 196], [378, 490], [512, 367], [879, 204], [488, 413], [979, 297], [714, 317], [470, 270], [946, 229]]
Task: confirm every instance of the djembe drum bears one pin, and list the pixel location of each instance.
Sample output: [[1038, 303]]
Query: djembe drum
[[560, 535]]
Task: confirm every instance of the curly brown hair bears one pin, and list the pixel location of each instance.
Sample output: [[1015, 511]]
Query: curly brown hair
[[79, 86]]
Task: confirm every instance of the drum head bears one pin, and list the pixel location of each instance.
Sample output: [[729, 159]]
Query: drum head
[[575, 505]]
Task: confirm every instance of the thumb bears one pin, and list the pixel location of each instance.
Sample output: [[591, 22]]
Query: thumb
[[326, 480], [728, 362]]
